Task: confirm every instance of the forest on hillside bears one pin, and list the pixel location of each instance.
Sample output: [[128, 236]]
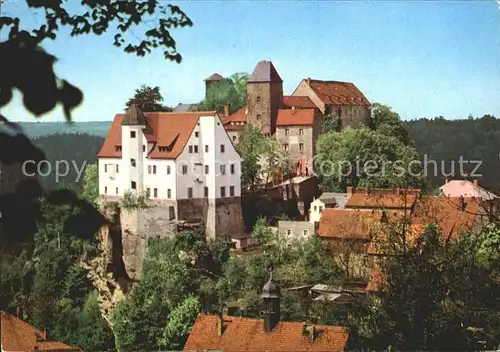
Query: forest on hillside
[[439, 139]]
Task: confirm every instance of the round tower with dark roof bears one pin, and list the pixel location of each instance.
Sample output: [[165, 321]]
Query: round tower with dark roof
[[271, 295]]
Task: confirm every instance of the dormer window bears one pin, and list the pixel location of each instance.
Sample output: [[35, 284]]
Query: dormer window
[[163, 149], [118, 148], [132, 134]]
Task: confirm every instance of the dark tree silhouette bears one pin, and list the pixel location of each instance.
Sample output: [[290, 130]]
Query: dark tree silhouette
[[149, 99], [25, 66]]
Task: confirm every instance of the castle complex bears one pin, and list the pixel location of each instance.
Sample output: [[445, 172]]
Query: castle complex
[[186, 160], [296, 120]]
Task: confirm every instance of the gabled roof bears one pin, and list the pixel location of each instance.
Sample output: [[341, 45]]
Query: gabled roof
[[17, 335], [328, 198], [264, 72], [300, 117], [134, 116], [214, 77], [298, 102], [165, 129], [243, 334], [348, 224], [452, 215], [338, 93], [457, 188], [383, 198]]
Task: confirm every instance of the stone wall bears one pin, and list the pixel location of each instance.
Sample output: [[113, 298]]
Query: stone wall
[[263, 102], [137, 225], [350, 115], [229, 217]]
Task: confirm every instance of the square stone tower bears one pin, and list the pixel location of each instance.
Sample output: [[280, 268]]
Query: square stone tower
[[264, 97]]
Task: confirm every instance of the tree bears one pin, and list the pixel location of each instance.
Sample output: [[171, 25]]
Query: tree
[[24, 59], [251, 146], [434, 295], [90, 189], [331, 123], [180, 322], [148, 99], [230, 91], [388, 122], [363, 157]]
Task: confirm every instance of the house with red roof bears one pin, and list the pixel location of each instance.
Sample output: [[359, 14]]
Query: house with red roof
[[185, 162], [335, 98], [19, 336], [236, 334]]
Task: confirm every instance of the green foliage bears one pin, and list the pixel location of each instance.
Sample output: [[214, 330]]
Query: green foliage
[[134, 201], [230, 90], [148, 99], [173, 270], [90, 189], [331, 123], [446, 140], [180, 322], [83, 326], [435, 296], [363, 157], [388, 122], [45, 277], [251, 146]]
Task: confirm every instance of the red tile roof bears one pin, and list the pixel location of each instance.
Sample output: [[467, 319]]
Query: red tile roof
[[165, 129], [243, 334], [453, 215], [298, 102], [383, 198], [348, 224], [299, 117], [338, 93], [17, 335]]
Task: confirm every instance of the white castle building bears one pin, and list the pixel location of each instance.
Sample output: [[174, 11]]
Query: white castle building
[[184, 161]]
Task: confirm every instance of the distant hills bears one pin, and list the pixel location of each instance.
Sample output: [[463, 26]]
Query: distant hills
[[437, 139], [39, 129]]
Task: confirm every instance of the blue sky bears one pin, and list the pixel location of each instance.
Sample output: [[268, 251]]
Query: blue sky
[[423, 58]]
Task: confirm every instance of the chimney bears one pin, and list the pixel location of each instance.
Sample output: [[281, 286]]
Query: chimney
[[226, 109], [44, 333], [476, 183], [367, 191], [398, 192], [463, 203], [446, 180], [349, 190], [308, 80]]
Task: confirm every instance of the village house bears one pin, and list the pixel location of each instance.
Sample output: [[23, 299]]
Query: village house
[[327, 200], [183, 161], [229, 333], [17, 335], [353, 234]]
